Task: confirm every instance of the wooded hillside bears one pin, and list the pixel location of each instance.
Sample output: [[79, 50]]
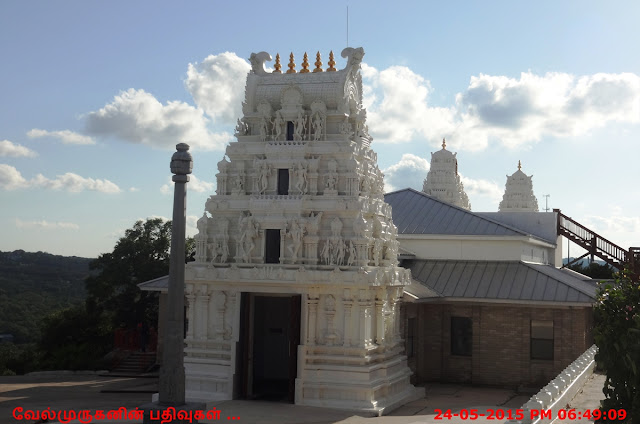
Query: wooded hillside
[[32, 285]]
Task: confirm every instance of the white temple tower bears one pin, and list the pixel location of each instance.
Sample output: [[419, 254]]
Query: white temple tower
[[296, 288], [443, 181], [518, 194]]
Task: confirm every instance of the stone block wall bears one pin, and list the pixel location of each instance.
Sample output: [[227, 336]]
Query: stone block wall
[[501, 342]]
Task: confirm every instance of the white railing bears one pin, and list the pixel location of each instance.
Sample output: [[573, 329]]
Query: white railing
[[559, 392]]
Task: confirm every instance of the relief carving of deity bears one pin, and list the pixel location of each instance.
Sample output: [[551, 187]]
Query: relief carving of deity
[[300, 174], [264, 171], [277, 123], [299, 127], [317, 126], [295, 232]]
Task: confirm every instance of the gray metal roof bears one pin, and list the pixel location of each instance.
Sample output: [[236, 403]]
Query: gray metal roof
[[498, 281], [157, 284], [540, 224], [415, 212]]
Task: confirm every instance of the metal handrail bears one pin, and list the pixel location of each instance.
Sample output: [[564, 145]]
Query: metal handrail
[[590, 240]]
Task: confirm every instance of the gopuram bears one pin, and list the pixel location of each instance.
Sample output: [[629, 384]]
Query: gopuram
[[518, 193], [443, 181], [295, 292]]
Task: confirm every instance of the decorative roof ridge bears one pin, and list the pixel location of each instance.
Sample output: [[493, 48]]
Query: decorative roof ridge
[[353, 55]]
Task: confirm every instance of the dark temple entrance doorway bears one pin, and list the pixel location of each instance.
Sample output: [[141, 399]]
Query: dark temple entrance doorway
[[269, 339]]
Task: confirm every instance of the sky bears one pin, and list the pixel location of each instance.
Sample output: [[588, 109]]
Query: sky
[[95, 96]]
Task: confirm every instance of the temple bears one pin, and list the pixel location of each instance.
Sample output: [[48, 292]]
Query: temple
[[311, 285], [518, 193], [443, 181], [296, 289]]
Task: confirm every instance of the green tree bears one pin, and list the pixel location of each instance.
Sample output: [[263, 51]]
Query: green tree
[[594, 270], [78, 337], [617, 335], [74, 338], [141, 255]]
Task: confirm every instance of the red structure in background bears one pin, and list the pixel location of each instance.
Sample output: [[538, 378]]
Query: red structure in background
[[129, 339]]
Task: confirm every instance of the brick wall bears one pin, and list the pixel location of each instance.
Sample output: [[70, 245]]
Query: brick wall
[[500, 342]]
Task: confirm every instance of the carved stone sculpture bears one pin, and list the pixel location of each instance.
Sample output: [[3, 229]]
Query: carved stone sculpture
[[214, 251], [301, 177], [331, 179], [264, 129], [248, 232], [377, 251], [313, 223], [241, 128], [352, 254], [277, 126], [295, 232], [345, 127], [317, 126], [264, 171], [299, 127]]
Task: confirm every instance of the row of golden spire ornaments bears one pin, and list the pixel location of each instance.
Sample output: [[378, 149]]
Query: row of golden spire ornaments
[[305, 64]]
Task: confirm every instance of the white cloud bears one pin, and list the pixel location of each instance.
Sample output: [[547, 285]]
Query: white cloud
[[46, 225], [217, 86], [194, 184], [12, 179], [66, 136], [620, 229], [482, 188], [513, 111], [522, 111], [8, 148], [192, 225], [612, 224], [409, 172], [74, 183], [138, 117], [133, 189], [397, 106]]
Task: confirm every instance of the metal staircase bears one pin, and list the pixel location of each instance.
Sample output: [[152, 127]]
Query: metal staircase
[[596, 245]]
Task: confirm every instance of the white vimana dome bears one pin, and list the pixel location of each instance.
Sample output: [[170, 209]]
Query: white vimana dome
[[443, 181], [518, 193]]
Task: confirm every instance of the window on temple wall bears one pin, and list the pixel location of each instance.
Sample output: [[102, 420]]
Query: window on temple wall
[[461, 336], [272, 246], [290, 129], [283, 181], [411, 331], [541, 339]]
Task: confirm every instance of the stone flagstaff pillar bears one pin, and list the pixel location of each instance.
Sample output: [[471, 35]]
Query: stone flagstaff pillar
[[171, 391]]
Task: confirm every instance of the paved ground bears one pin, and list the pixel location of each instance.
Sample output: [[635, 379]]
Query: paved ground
[[65, 392], [587, 398]]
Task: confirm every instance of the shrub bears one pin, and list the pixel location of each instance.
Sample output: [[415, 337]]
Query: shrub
[[617, 335]]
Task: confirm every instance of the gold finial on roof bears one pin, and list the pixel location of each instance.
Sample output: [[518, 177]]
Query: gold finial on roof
[[277, 66], [318, 63], [519, 166], [444, 143], [291, 65], [305, 64], [331, 63]]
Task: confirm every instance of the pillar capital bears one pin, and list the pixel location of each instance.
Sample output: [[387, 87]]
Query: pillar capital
[[181, 161]]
